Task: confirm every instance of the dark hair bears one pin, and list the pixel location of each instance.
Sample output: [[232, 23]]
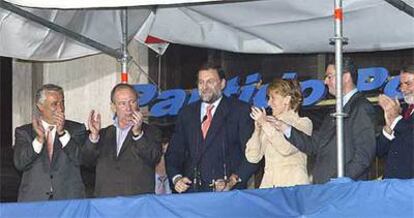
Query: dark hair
[[212, 66], [348, 66], [40, 93], [122, 86], [408, 69], [287, 88]]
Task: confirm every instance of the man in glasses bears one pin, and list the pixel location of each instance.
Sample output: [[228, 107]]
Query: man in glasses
[[125, 153]]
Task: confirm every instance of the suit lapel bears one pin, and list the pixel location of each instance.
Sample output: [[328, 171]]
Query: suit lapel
[[125, 144], [348, 106], [110, 137], [195, 124]]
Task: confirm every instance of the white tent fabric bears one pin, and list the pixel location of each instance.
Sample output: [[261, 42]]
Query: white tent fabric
[[66, 4], [279, 26], [24, 39], [267, 26]]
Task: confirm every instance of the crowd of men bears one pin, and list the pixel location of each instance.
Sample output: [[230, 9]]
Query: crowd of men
[[207, 150]]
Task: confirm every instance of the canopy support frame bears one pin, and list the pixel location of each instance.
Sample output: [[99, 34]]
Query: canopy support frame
[[73, 35]]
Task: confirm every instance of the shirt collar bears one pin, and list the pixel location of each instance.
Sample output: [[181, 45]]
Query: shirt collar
[[349, 96], [116, 124], [204, 105], [46, 125]]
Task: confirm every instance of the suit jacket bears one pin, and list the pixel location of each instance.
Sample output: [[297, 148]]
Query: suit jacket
[[285, 165], [359, 142], [399, 152], [221, 153], [62, 175], [132, 171]]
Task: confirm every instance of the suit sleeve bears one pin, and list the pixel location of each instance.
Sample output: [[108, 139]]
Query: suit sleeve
[[285, 148], [77, 139], [404, 128], [383, 145], [254, 149], [363, 140], [23, 152], [149, 146], [305, 143], [90, 150], [245, 127], [175, 156]]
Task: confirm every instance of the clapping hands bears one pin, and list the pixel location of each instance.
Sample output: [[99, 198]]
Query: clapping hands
[[94, 124]]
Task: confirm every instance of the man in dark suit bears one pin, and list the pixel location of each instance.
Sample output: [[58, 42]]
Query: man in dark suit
[[125, 153], [47, 151], [359, 131], [397, 139], [206, 151]]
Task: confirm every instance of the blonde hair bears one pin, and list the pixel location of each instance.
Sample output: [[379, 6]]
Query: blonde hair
[[287, 88]]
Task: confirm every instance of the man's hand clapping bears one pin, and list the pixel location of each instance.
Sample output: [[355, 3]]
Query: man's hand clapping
[[94, 124]]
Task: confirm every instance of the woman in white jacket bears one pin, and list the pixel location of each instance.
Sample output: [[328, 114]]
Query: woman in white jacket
[[285, 165]]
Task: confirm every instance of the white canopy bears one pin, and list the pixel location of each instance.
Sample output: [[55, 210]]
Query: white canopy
[[72, 4], [268, 26]]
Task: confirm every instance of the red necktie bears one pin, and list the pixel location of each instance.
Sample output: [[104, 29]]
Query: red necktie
[[407, 112], [49, 142], [206, 123]]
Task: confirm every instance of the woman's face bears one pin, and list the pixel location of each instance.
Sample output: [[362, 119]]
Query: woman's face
[[278, 103]]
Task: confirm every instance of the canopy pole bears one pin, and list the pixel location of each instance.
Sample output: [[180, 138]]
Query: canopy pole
[[338, 17], [159, 69], [124, 59]]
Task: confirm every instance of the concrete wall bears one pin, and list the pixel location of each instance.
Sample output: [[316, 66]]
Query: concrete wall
[[22, 93], [87, 83]]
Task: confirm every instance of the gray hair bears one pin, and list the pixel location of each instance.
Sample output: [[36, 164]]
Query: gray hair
[[41, 93]]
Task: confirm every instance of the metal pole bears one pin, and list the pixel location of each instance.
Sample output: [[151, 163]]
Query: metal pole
[[338, 16], [159, 70], [124, 60]]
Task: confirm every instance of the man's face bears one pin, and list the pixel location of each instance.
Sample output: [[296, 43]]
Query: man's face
[[330, 79], [54, 103], [210, 85], [407, 86], [125, 103]]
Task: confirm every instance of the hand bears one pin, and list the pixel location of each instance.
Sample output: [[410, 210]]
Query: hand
[[233, 180], [258, 115], [220, 185], [59, 118], [137, 120], [182, 184], [39, 130], [392, 108], [94, 124], [277, 124]]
